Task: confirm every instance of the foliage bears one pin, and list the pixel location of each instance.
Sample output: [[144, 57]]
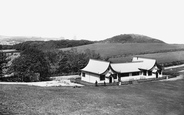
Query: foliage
[[49, 45], [3, 61], [30, 62], [69, 62], [6, 47]]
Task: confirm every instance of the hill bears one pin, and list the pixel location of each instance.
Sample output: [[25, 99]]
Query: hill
[[131, 38], [21, 42], [11, 40], [118, 52], [121, 48]]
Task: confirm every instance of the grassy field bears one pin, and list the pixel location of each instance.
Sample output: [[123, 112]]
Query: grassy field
[[118, 49], [118, 52], [160, 57], [150, 98]]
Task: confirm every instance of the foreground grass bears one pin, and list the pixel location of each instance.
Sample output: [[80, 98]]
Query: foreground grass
[[153, 98]]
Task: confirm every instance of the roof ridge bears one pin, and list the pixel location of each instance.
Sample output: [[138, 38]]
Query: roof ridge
[[144, 57], [99, 60], [128, 62]]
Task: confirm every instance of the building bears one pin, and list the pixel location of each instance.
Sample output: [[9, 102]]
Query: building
[[139, 68]]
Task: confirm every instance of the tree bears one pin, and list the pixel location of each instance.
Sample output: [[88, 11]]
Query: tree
[[71, 61], [30, 62], [3, 61]]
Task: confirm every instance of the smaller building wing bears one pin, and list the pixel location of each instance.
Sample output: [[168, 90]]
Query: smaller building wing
[[96, 66], [136, 65]]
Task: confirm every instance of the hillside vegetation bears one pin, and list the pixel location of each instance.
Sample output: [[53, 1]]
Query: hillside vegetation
[[114, 50], [128, 45], [51, 45], [121, 48], [131, 38]]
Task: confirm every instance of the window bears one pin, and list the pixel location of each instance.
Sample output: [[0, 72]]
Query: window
[[83, 74], [124, 74], [102, 77], [144, 72], [114, 76], [135, 73], [149, 73]]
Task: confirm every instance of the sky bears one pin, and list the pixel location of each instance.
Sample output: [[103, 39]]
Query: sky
[[93, 19]]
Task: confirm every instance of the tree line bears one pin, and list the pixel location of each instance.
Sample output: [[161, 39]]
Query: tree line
[[48, 45], [34, 62]]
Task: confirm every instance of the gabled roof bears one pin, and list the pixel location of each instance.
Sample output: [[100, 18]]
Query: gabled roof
[[126, 67], [96, 66], [147, 63], [137, 64]]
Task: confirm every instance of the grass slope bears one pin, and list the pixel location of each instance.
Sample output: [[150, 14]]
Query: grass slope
[[115, 50], [153, 98], [165, 57]]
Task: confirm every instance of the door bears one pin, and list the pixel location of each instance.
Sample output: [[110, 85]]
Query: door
[[110, 79], [156, 74]]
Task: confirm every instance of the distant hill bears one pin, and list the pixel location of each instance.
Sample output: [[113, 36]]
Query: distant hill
[[43, 43], [11, 40], [131, 38], [51, 45]]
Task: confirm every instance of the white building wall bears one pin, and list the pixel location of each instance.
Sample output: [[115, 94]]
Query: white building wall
[[138, 77], [92, 78], [125, 78], [151, 76], [131, 78]]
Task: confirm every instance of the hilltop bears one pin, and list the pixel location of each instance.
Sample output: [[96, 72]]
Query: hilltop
[[131, 38]]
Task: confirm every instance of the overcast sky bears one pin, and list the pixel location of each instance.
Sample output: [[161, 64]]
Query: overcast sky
[[93, 19]]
